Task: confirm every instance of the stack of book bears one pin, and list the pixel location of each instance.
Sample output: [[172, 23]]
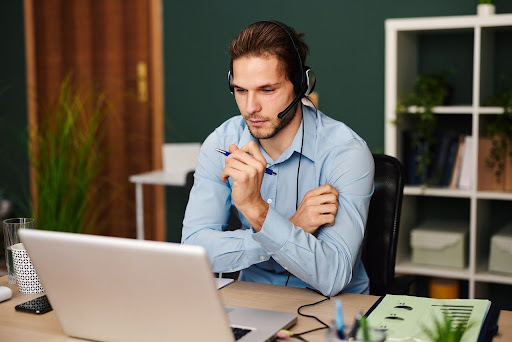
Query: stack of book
[[452, 157]]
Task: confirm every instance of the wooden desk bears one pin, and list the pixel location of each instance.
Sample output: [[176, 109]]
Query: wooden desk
[[19, 326]]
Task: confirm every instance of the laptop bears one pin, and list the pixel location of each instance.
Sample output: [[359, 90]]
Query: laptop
[[116, 289]]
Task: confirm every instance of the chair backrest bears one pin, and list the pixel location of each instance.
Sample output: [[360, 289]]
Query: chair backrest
[[381, 235]]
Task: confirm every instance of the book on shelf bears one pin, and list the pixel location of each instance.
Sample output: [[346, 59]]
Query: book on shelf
[[455, 175], [450, 162], [466, 176], [443, 158]]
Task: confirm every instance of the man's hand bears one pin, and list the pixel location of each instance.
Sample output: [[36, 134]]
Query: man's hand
[[318, 208], [246, 166]]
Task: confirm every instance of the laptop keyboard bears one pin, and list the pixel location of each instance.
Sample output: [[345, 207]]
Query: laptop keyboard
[[239, 332]]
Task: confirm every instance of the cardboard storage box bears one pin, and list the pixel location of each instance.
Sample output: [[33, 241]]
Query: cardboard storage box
[[500, 259], [440, 243]]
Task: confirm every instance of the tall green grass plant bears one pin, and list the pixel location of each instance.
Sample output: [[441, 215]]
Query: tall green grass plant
[[67, 162]]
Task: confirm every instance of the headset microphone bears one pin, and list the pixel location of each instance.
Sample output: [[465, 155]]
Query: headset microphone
[[310, 77]]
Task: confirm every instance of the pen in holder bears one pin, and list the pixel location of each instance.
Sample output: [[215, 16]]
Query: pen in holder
[[26, 276]]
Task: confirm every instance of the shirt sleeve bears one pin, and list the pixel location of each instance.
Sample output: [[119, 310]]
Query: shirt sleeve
[[207, 214], [326, 261]]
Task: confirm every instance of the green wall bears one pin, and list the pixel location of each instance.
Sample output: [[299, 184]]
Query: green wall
[[346, 40], [14, 179]]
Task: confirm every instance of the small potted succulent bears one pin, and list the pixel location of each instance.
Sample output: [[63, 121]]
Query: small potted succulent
[[485, 8]]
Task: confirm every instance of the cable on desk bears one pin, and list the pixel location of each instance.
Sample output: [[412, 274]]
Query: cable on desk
[[299, 335]]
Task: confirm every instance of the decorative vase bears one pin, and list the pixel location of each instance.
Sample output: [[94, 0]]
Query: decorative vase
[[486, 9]]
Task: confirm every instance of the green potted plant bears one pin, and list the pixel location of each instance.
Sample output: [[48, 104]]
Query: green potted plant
[[429, 91], [485, 7], [500, 131], [67, 161]]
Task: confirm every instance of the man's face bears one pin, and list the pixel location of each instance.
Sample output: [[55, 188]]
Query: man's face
[[261, 92]]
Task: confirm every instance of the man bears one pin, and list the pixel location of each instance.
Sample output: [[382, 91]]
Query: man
[[302, 226]]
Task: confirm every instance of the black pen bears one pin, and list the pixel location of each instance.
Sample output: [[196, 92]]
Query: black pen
[[226, 153]]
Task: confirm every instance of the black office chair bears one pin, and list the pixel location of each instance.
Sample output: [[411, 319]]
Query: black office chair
[[381, 235]]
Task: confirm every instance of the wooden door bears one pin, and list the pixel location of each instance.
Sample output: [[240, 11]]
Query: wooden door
[[115, 47]]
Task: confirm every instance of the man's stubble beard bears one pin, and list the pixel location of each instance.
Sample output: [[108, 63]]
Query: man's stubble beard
[[282, 124]]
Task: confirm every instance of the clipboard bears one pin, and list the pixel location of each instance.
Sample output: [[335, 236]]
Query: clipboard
[[489, 327]]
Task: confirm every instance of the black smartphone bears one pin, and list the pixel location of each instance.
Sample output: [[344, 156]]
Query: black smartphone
[[39, 305]]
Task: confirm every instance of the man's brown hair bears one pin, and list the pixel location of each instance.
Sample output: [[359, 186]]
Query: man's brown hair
[[268, 38]]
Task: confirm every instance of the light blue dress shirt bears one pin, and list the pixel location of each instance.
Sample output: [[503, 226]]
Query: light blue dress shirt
[[329, 260]]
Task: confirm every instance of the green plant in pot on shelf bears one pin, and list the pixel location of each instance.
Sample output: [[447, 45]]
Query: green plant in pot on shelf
[[429, 91], [66, 162], [500, 131]]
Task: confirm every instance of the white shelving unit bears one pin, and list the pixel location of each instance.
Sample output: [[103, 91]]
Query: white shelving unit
[[401, 70]]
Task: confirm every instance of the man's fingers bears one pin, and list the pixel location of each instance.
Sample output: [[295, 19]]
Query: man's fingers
[[324, 209], [249, 162], [322, 199], [253, 149], [321, 190], [233, 173], [233, 165], [326, 220], [233, 148]]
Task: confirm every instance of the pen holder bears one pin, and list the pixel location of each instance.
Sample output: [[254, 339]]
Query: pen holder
[[26, 276], [376, 335]]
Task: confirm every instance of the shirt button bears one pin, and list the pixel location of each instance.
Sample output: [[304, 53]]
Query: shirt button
[[262, 257], [269, 200]]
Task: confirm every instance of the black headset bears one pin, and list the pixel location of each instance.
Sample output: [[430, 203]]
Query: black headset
[[308, 79]]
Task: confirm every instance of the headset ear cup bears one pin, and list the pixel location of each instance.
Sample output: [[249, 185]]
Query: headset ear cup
[[230, 82], [310, 81]]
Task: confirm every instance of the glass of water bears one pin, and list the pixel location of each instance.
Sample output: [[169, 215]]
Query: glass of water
[[11, 227]]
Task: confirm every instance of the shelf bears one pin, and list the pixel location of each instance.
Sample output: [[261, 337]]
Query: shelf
[[418, 190], [494, 195], [490, 110], [472, 43], [407, 267], [448, 23], [496, 278], [442, 109], [456, 110], [483, 275]]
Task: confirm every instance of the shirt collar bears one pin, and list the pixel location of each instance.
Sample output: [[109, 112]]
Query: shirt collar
[[308, 150]]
